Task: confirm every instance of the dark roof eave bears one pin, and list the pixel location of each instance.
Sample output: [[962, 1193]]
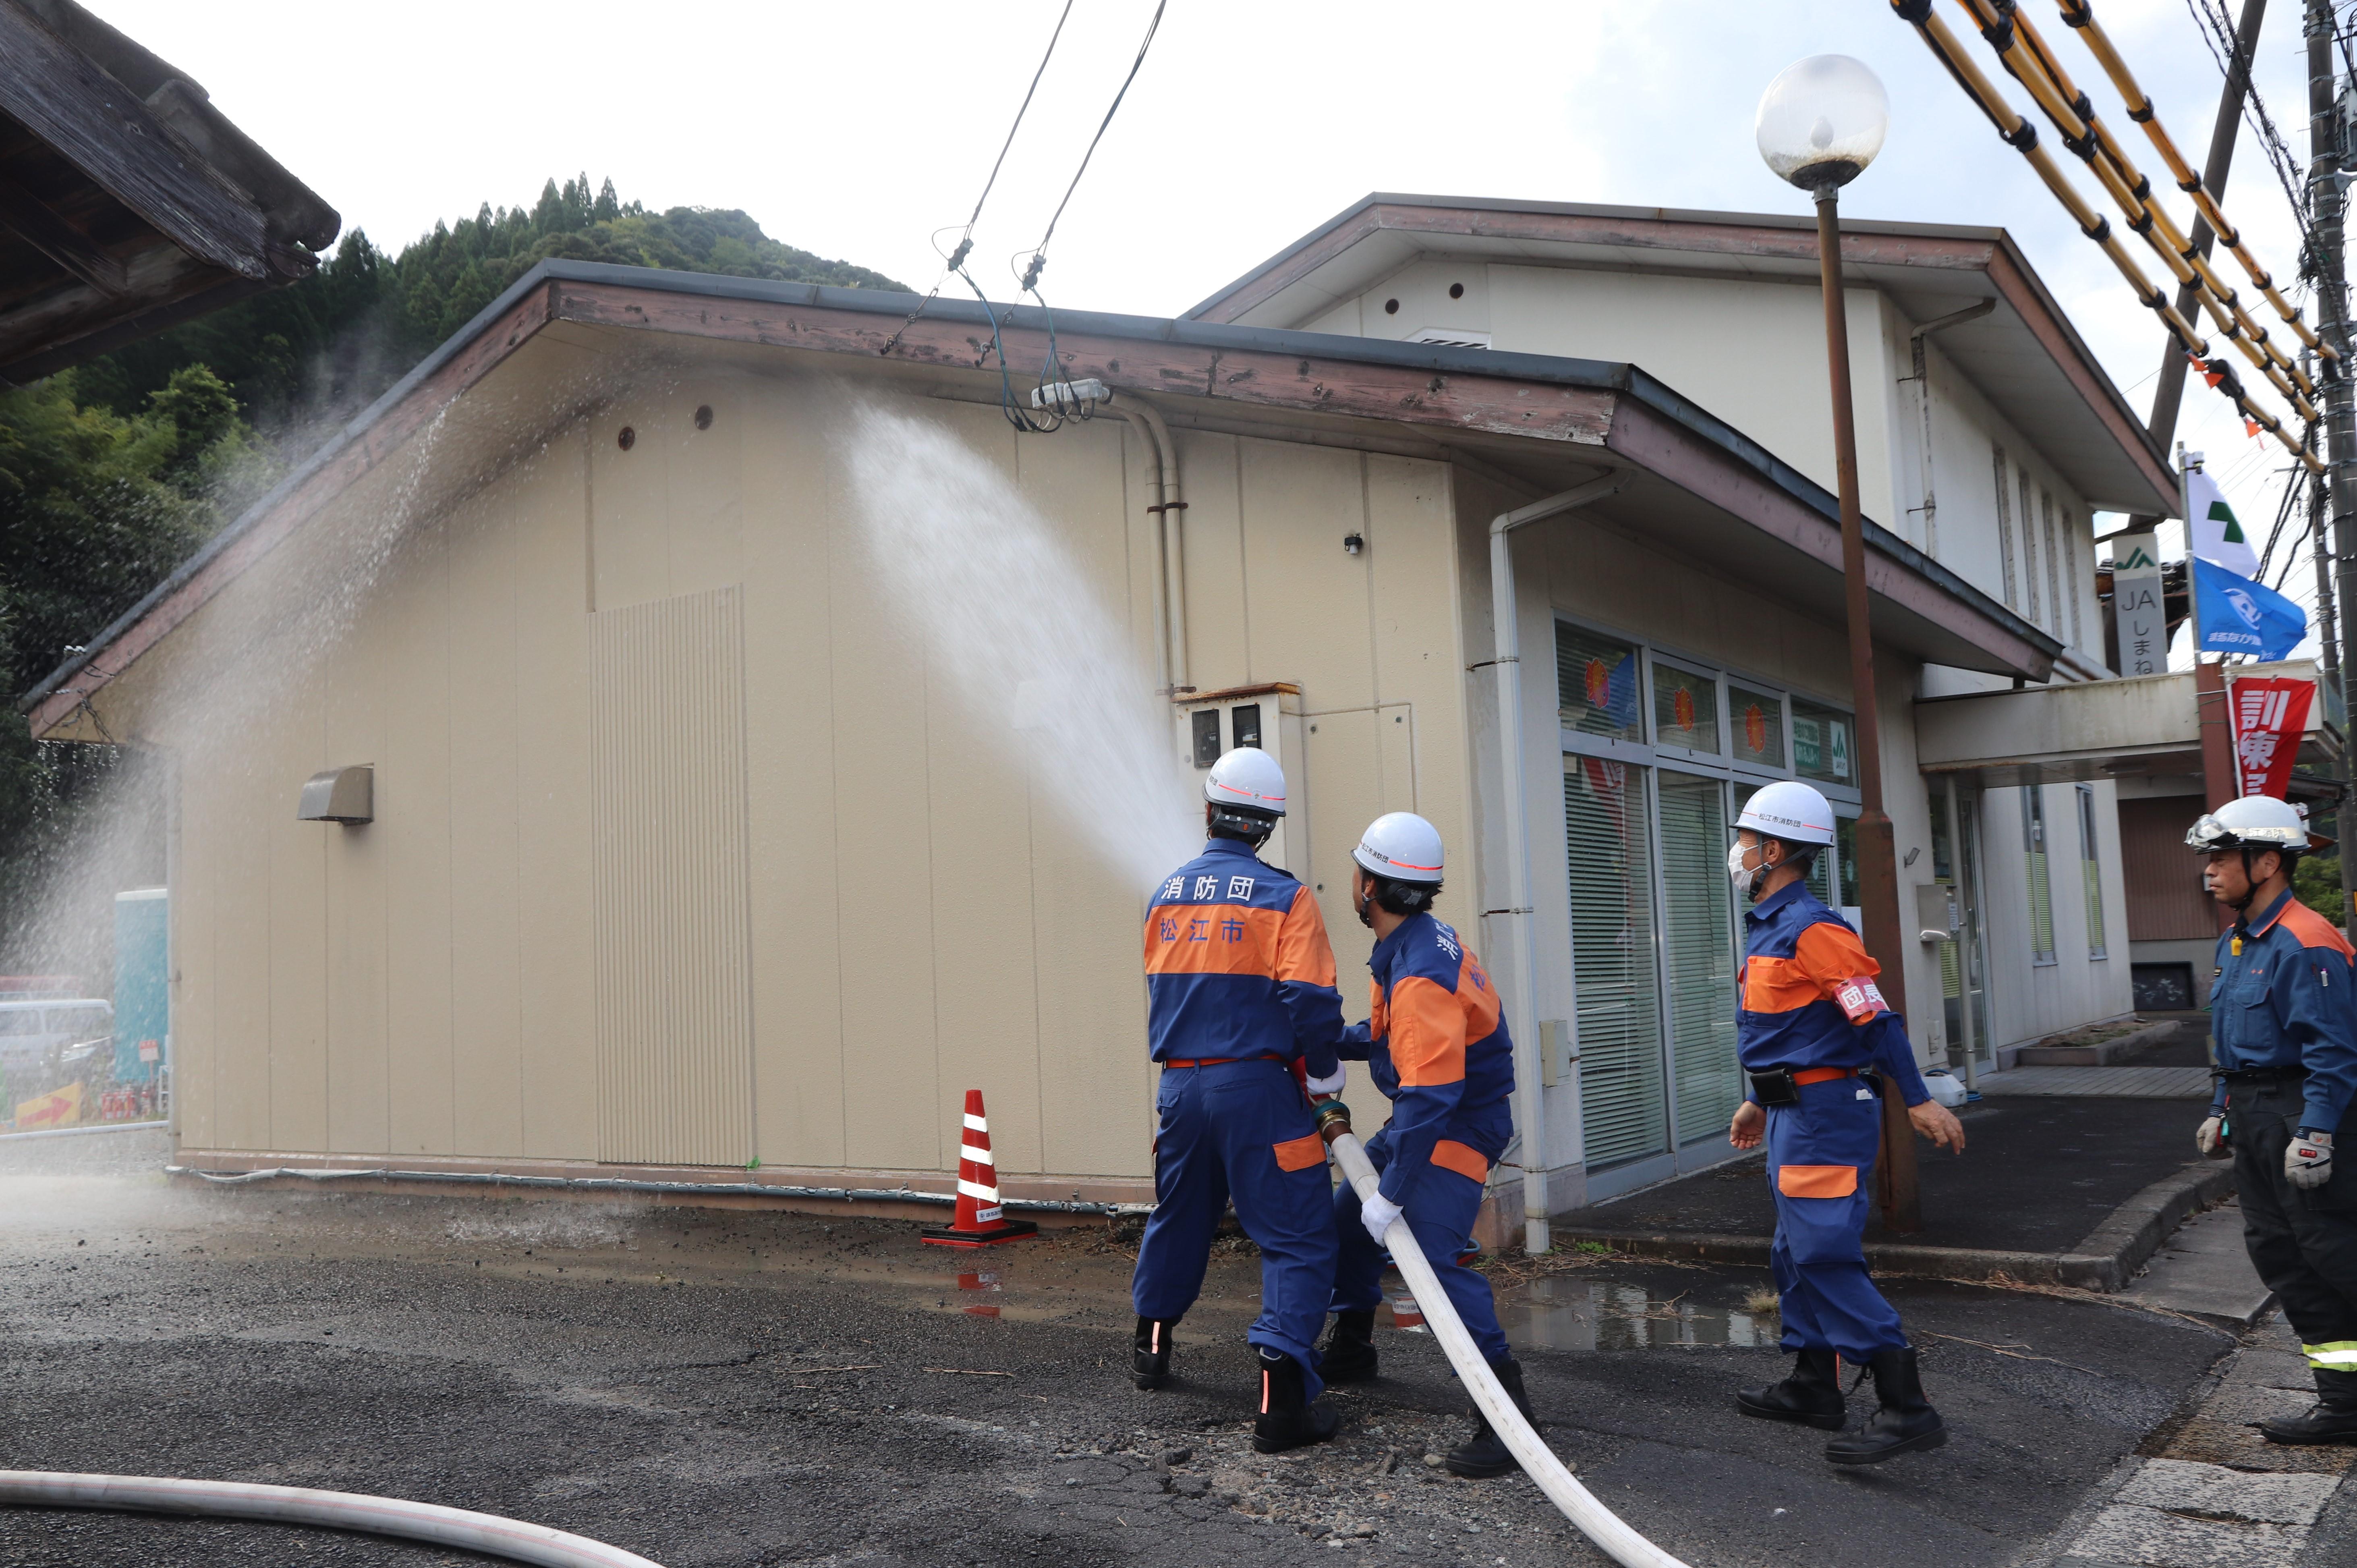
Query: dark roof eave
[[1595, 374]]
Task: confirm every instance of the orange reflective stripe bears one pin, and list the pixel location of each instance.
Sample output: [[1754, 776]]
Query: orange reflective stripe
[[1378, 1015], [1427, 1033], [1463, 1158], [1300, 1153], [1303, 952], [1212, 939], [1832, 954], [1816, 1181], [1777, 985]]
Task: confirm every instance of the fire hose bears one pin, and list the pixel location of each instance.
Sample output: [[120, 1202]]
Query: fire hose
[[1596, 1521], [487, 1533]]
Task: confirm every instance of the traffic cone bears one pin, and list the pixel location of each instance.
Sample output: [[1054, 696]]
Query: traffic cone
[[980, 1221]]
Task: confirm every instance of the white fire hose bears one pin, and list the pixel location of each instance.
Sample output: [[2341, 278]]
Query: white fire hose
[[483, 1532], [1595, 1520]]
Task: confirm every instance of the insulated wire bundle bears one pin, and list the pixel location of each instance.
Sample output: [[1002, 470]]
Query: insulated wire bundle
[[2026, 59]]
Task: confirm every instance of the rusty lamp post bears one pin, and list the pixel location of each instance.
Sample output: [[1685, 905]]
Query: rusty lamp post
[[1821, 121]]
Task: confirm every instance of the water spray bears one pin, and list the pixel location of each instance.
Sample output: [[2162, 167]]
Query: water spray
[[1596, 1521]]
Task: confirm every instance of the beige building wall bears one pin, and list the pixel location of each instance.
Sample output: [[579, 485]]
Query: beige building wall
[[916, 920]]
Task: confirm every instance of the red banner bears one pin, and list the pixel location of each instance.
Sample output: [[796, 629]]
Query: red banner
[[2270, 716]]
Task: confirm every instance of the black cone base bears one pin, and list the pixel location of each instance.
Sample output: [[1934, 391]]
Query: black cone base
[[989, 1235]]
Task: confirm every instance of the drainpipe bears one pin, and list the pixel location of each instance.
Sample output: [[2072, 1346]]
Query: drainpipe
[[1516, 785], [1923, 380], [1170, 601], [1161, 566]]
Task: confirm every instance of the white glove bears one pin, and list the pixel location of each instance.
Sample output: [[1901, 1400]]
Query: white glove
[[2307, 1160], [1377, 1214], [2210, 1139], [1330, 1085]]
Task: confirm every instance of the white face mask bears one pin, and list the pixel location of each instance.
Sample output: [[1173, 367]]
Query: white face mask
[[1743, 877]]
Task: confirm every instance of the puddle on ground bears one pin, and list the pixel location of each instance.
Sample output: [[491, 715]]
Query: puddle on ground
[[975, 1287], [1566, 1314]]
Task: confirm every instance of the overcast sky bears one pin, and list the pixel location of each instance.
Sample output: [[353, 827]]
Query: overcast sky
[[858, 131]]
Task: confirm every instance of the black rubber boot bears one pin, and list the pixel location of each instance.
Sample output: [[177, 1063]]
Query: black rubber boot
[[1287, 1419], [1904, 1421], [1149, 1355], [1349, 1356], [1811, 1396], [1485, 1454], [2332, 1419]]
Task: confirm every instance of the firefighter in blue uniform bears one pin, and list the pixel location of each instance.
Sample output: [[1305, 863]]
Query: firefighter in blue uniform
[[1240, 984], [1436, 1044], [2286, 1024], [1811, 1023]]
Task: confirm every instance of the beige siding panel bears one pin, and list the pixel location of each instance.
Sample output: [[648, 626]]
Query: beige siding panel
[[1219, 651], [486, 1072], [629, 496], [883, 869], [241, 951], [1358, 763], [554, 926], [1308, 616], [298, 923], [195, 918], [667, 788], [793, 490], [703, 474], [362, 669], [413, 827]]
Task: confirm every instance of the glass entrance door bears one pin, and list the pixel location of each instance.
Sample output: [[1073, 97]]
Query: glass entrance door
[[1623, 1110], [1697, 953]]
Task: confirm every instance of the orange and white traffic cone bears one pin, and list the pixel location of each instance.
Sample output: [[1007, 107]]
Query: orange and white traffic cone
[[980, 1221]]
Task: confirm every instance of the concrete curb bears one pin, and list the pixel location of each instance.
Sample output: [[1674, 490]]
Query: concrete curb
[[2105, 1260]]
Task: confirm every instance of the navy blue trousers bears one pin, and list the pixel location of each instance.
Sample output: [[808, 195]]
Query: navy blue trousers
[[1241, 1130], [1820, 1168], [1440, 1211]]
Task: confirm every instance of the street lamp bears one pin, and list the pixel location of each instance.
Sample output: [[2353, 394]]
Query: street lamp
[[1821, 121]]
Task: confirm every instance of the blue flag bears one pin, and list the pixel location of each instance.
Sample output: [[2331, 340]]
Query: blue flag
[[2239, 616]]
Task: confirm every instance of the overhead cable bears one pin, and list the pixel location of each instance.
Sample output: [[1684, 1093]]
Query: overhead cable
[[2080, 13], [2217, 30], [1039, 251], [2026, 60], [2021, 135], [955, 261]]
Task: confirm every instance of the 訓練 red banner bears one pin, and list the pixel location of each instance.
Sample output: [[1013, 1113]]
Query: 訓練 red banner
[[2270, 715]]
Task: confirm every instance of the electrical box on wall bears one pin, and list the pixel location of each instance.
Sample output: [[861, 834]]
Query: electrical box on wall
[[1212, 724]]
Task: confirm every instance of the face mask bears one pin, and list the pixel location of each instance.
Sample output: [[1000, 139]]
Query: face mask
[[1740, 875], [1363, 905]]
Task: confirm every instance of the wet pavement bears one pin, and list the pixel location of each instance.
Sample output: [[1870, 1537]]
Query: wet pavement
[[2037, 1175], [735, 1388]]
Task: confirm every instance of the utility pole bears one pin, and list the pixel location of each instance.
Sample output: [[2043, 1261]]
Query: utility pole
[[2327, 262], [2169, 390]]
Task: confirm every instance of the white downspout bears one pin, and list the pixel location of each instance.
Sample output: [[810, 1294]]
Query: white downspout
[[1169, 544], [1522, 1014]]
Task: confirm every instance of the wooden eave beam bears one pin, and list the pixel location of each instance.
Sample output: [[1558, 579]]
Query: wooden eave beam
[[1396, 393], [101, 127], [23, 212]]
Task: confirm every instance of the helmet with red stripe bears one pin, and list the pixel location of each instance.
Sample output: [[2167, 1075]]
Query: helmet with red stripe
[[1400, 846]]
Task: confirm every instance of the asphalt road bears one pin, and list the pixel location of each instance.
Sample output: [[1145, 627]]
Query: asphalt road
[[730, 1387]]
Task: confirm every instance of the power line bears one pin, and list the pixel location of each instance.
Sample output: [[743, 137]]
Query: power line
[[1039, 251], [2217, 28], [955, 262]]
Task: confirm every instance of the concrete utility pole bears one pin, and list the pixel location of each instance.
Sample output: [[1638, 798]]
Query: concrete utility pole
[[2327, 261]]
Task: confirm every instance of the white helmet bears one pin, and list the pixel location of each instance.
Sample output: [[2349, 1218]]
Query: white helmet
[[1790, 811], [1249, 779], [2254, 822], [1400, 846]]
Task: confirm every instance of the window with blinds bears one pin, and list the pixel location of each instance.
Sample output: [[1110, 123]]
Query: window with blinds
[[2041, 892], [1595, 684], [2092, 874], [1623, 1108], [1756, 724], [1698, 952], [1685, 708]]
